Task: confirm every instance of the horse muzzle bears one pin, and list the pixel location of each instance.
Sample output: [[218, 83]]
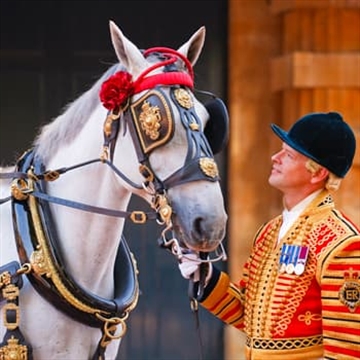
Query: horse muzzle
[[201, 232]]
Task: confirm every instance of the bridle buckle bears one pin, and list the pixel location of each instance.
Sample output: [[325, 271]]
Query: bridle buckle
[[138, 217]]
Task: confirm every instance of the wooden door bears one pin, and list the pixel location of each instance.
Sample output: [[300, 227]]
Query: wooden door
[[286, 58]]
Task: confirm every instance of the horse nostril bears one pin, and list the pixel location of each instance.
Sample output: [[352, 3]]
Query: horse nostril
[[198, 227]]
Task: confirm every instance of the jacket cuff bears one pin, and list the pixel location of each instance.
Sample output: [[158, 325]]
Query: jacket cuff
[[211, 283]]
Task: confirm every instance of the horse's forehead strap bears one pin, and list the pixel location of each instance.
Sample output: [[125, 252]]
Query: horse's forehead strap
[[116, 91], [170, 78], [144, 82]]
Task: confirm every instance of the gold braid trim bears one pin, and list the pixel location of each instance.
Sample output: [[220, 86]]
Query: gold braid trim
[[276, 349], [283, 344], [51, 270]]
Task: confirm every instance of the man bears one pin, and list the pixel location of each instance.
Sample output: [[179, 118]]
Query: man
[[299, 297]]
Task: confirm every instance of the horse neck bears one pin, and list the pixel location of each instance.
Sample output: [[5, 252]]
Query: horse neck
[[88, 241]]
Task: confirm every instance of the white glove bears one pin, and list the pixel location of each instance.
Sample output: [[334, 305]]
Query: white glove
[[190, 266]]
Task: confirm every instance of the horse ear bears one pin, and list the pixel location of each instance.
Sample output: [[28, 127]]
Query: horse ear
[[193, 47], [128, 54]]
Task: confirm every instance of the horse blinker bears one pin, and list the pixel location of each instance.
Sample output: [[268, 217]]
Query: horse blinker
[[217, 128]]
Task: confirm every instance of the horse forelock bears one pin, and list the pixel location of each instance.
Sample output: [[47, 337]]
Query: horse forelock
[[64, 128]]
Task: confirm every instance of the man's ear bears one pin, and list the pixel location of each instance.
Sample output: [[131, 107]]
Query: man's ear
[[321, 174]]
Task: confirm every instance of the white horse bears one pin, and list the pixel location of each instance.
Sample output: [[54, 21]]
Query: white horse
[[152, 145]]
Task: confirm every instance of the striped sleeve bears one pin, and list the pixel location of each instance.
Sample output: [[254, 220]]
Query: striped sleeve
[[340, 296], [223, 299]]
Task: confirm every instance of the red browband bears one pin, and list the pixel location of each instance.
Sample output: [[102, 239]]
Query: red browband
[[144, 82]]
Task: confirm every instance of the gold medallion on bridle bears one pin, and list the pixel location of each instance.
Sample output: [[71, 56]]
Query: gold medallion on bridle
[[208, 167], [150, 118], [39, 262], [13, 350], [183, 98]]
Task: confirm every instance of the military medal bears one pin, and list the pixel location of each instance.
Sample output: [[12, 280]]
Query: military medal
[[301, 260], [290, 267], [282, 268], [284, 258]]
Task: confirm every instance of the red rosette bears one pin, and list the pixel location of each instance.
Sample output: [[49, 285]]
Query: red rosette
[[116, 90]]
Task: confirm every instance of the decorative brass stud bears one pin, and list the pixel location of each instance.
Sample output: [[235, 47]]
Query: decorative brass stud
[[5, 279], [10, 292], [112, 116], [194, 126], [39, 262], [208, 167], [51, 175], [183, 98], [19, 189], [163, 208]]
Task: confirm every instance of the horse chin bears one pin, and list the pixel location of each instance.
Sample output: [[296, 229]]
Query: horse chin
[[187, 242], [203, 247]]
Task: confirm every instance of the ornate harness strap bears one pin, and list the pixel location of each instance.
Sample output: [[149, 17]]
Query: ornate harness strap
[[14, 345]]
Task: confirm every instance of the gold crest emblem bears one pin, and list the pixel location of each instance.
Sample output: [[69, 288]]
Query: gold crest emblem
[[208, 167], [14, 350], [183, 98], [349, 293], [150, 118]]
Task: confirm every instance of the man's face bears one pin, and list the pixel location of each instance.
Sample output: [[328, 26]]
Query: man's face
[[288, 173]]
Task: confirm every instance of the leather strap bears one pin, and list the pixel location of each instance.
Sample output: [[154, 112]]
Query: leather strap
[[125, 273], [13, 344]]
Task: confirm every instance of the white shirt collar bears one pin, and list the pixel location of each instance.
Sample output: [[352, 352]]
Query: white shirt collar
[[290, 216]]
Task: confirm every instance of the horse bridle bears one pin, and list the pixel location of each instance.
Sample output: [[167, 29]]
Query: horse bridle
[[199, 163]]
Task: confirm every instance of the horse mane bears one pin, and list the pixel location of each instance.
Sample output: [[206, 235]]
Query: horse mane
[[66, 126]]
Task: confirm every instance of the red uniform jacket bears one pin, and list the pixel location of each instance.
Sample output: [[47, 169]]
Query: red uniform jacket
[[310, 313]]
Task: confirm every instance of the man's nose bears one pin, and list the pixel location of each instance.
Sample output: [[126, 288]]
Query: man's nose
[[277, 156]]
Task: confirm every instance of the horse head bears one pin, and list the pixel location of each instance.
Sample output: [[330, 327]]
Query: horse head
[[175, 137]]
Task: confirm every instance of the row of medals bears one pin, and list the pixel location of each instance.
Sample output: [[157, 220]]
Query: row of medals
[[293, 259]]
